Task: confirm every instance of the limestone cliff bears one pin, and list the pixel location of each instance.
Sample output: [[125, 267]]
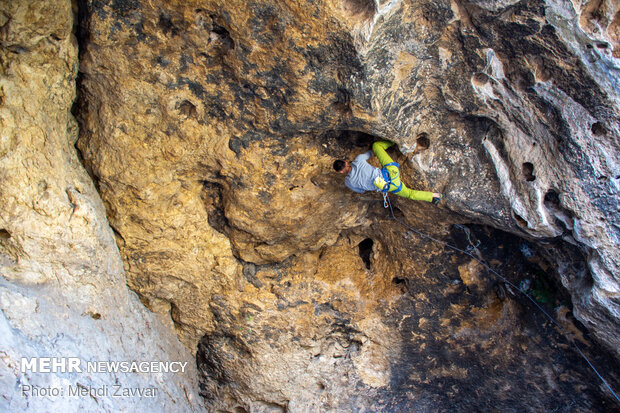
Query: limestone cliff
[[62, 291], [209, 128]]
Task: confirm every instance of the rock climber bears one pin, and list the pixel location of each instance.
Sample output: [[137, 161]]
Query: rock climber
[[362, 177]]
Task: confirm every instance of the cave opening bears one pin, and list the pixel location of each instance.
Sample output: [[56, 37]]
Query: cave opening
[[518, 260], [365, 250], [351, 139], [341, 143]]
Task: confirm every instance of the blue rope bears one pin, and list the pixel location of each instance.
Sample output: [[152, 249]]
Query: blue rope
[[389, 203]]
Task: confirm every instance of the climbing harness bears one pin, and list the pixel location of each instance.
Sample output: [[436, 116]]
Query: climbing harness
[[388, 179], [469, 252]]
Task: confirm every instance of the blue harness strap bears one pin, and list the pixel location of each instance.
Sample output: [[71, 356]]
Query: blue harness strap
[[388, 179]]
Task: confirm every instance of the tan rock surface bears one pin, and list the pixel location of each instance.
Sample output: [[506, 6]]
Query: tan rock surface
[[62, 291], [210, 127]]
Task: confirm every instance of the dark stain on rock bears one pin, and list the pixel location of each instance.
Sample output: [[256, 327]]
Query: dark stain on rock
[[338, 55], [162, 61], [125, 6], [195, 87], [265, 23], [166, 25], [434, 338], [184, 62]]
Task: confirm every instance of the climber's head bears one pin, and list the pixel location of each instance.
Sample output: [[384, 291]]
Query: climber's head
[[341, 166]]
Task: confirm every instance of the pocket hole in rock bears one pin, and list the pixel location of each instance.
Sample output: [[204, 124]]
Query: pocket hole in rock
[[221, 34], [422, 142], [528, 172], [480, 79], [187, 109], [552, 199], [598, 129], [4, 234], [366, 9], [522, 222], [365, 249]]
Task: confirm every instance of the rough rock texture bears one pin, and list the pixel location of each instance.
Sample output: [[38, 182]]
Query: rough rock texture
[[210, 128], [63, 291]]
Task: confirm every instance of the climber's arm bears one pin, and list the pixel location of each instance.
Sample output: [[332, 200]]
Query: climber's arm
[[363, 156]]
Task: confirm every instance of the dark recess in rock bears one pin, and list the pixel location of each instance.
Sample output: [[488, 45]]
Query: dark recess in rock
[[365, 250], [520, 220], [365, 9], [528, 172], [211, 196], [187, 109], [165, 23], [422, 142], [480, 79], [4, 234], [342, 143], [223, 36], [598, 129], [343, 101], [552, 198]]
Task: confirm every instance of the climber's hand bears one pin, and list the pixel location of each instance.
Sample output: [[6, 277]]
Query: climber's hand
[[436, 198]]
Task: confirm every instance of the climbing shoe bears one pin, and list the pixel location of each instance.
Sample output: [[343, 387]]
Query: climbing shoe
[[380, 183], [437, 199]]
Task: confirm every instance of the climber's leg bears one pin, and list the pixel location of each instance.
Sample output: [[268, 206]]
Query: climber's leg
[[415, 195], [379, 148]]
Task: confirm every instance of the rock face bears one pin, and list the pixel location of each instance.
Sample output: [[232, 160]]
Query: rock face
[[63, 291], [210, 127]]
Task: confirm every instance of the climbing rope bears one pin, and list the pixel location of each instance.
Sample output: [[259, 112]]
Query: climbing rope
[[469, 252]]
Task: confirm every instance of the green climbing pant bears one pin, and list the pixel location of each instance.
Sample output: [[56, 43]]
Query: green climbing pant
[[379, 148]]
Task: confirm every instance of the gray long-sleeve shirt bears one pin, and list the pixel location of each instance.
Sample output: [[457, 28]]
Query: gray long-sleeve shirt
[[362, 175]]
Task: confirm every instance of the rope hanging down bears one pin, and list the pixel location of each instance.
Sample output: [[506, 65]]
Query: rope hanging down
[[387, 203]]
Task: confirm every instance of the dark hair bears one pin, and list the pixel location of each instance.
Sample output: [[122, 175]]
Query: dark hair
[[339, 165]]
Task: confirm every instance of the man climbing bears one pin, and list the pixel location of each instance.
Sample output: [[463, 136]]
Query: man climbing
[[361, 176]]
